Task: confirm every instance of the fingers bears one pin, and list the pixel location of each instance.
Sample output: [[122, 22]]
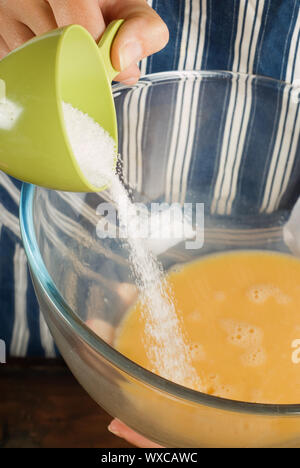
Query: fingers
[[102, 329], [35, 14], [128, 293], [38, 16], [22, 19], [87, 13], [143, 32], [120, 430], [3, 48], [13, 32]]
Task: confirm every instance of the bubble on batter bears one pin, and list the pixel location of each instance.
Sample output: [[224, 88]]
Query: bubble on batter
[[194, 385], [262, 292], [195, 316], [282, 298], [259, 294], [225, 391], [254, 358], [216, 388], [210, 390], [242, 334], [212, 377], [197, 352], [219, 296]]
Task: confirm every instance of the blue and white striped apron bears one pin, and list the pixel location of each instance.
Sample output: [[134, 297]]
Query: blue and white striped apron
[[250, 36]]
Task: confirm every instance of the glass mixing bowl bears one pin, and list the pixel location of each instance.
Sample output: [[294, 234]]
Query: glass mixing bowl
[[227, 140]]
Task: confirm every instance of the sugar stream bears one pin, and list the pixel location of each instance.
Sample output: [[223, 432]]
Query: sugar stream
[[95, 151], [168, 351]]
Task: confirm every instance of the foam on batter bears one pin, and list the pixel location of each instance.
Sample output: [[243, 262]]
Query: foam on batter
[[197, 352], [254, 358], [214, 386], [260, 293], [242, 334]]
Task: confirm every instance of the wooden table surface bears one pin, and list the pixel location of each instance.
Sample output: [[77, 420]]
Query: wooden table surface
[[42, 405]]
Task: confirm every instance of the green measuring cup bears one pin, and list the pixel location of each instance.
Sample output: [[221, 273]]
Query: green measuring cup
[[63, 65]]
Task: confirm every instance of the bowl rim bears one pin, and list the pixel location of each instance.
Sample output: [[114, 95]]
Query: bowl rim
[[43, 279]]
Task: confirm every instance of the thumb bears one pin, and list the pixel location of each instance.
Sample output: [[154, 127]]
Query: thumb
[[143, 33], [119, 429]]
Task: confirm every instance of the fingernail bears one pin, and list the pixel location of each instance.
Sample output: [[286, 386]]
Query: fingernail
[[113, 430], [130, 53]]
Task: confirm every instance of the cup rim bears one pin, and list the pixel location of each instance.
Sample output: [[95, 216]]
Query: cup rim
[[114, 357]]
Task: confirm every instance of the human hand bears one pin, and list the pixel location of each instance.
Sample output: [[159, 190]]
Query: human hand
[[103, 329], [142, 34], [119, 429]]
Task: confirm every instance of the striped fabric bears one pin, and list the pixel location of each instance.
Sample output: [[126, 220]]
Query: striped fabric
[[250, 36]]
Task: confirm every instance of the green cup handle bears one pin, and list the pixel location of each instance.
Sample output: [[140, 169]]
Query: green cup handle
[[105, 47], [2, 90]]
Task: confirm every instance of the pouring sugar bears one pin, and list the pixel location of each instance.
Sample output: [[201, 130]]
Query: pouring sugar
[[93, 147], [95, 152]]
